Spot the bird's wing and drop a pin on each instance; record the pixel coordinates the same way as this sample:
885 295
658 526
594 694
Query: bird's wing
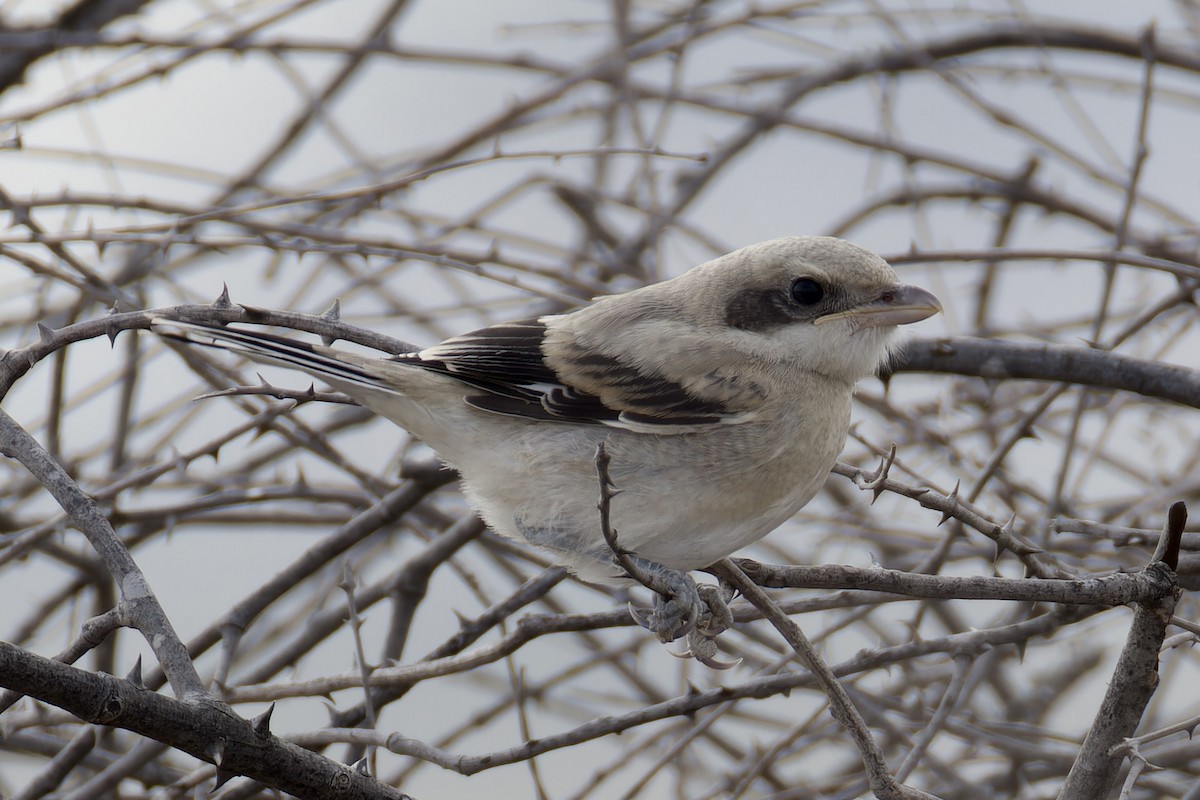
337 367
503 370
506 365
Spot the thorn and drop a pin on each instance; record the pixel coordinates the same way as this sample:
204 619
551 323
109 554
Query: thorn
301 480
168 239
99 243
260 431
1000 548
333 314
347 583
311 392
874 481
363 768
216 752
223 777
178 462
135 674
953 499
331 709
111 331
45 333
20 215
262 723
223 300
1148 40
877 489
1021 645
13 143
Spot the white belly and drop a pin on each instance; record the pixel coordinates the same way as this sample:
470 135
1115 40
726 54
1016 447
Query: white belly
683 502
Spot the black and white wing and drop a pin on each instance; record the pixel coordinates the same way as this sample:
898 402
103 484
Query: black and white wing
503 369
507 366
323 362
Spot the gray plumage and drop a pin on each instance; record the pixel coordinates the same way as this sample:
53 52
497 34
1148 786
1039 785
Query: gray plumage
723 397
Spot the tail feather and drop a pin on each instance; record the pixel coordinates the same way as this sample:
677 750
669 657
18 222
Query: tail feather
271 349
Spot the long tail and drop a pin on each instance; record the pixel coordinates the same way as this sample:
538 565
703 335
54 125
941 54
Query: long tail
322 362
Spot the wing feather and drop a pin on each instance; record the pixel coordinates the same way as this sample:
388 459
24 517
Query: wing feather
503 370
506 364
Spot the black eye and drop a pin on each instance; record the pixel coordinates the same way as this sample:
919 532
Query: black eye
807 292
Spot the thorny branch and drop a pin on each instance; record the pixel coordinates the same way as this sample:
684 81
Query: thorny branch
567 158
1135 678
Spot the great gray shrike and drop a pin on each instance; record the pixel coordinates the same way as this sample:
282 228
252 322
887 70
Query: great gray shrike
722 397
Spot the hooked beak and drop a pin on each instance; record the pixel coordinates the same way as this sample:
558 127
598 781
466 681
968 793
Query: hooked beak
898 305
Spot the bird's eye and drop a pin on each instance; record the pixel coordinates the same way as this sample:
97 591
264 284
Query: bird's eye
807 292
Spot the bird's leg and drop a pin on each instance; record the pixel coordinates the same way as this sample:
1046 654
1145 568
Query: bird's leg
677 603
681 608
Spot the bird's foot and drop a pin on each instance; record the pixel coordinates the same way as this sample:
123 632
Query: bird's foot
712 621
684 608
677 602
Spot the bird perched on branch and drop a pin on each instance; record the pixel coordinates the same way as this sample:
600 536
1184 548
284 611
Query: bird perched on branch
721 398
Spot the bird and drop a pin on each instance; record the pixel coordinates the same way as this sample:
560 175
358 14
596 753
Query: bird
721 399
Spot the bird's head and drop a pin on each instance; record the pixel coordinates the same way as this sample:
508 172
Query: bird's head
817 303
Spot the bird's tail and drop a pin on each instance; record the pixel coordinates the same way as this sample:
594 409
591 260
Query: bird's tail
340 369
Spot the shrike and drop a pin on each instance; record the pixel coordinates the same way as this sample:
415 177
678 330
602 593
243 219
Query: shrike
722 397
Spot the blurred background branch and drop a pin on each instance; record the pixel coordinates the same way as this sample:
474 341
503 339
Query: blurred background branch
436 166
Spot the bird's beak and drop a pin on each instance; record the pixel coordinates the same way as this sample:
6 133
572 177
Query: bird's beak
898 305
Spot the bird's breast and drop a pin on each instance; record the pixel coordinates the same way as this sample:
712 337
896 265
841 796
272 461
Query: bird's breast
684 500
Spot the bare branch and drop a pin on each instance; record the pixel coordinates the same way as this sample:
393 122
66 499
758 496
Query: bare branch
206 730
1134 680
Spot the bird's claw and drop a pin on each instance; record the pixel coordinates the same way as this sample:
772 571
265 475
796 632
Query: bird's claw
671 617
699 612
640 615
704 650
715 617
